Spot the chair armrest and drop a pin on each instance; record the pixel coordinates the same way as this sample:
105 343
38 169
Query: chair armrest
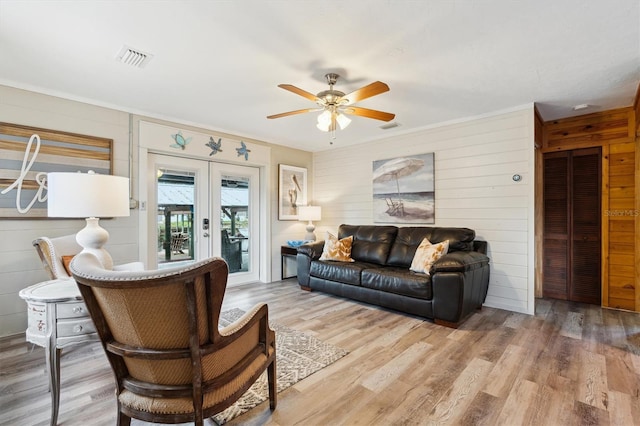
258 317
241 323
131 266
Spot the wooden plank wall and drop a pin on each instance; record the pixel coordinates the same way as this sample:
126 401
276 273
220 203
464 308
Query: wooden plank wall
636 110
615 132
538 188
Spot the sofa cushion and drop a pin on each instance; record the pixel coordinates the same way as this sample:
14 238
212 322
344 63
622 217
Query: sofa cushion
398 281
460 239
427 254
410 237
370 243
338 250
348 273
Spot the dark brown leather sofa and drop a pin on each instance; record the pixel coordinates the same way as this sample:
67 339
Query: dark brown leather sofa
456 286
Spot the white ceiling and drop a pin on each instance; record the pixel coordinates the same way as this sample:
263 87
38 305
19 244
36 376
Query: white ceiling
217 64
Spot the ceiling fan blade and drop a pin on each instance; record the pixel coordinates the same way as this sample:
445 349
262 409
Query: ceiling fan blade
299 91
369 113
365 92
298 111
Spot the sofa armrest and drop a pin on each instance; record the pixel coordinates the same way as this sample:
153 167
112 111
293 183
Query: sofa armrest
307 253
459 261
460 282
480 246
312 250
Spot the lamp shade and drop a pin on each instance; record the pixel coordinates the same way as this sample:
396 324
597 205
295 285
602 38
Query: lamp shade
309 213
343 121
87 195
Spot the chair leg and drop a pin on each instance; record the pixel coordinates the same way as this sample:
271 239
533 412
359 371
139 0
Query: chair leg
273 388
123 419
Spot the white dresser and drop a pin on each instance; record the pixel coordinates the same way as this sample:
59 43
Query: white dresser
57 317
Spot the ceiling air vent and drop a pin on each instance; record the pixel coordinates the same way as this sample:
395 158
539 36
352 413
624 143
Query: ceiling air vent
389 125
133 57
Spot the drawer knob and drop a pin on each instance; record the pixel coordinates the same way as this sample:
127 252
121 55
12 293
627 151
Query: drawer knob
77 309
77 328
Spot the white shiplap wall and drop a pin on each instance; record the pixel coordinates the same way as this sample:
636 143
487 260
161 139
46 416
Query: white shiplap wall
20 266
474 164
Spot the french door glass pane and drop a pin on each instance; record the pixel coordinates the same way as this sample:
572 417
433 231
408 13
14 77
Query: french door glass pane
234 222
175 217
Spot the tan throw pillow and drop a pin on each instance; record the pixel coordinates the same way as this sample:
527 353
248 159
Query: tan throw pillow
66 262
427 254
335 249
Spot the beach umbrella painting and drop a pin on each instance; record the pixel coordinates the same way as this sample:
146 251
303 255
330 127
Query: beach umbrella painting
397 168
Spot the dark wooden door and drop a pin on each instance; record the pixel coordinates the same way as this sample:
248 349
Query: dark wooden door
572 222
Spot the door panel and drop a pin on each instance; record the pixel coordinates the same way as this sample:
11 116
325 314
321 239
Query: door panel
572 225
556 225
178 204
235 195
586 219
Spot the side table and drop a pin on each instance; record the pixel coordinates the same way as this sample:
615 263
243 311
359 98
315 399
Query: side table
57 317
284 252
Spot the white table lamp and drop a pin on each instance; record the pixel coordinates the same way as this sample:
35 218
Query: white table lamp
92 196
310 213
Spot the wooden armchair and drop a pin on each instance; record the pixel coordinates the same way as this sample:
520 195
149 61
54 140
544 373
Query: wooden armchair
55 252
160 332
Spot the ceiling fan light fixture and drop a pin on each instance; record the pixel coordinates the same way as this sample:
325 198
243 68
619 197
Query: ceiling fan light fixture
343 121
324 121
334 103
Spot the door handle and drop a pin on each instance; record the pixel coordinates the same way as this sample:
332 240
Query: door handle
206 235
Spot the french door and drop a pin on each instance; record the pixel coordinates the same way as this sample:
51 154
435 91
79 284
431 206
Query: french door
199 209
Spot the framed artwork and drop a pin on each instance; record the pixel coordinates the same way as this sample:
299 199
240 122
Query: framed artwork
292 191
27 154
403 189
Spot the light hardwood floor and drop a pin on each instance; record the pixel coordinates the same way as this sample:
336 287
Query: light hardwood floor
570 364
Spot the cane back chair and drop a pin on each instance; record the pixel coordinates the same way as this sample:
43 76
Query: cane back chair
160 332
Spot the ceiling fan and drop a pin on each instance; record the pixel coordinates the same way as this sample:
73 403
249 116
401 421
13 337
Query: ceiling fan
334 104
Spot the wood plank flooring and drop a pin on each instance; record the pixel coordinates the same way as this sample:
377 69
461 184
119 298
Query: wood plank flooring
570 364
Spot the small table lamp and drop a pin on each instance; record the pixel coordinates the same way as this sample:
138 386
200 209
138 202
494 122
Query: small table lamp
310 213
89 195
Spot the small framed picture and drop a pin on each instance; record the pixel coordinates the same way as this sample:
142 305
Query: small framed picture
292 191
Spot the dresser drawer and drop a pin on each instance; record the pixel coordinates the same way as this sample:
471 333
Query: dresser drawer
76 327
71 310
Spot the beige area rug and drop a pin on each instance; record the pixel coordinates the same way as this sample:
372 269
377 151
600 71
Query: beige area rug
298 355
